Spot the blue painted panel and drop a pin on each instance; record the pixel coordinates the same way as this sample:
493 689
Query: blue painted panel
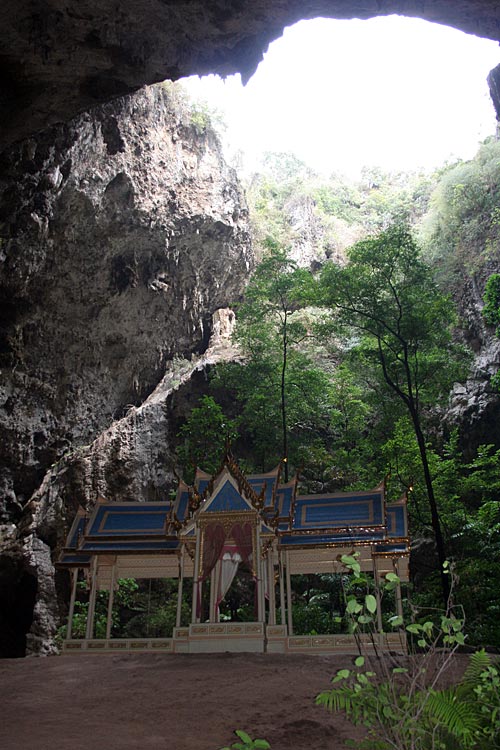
338 511
396 521
74 559
202 485
227 499
95 546
142 518
257 483
183 506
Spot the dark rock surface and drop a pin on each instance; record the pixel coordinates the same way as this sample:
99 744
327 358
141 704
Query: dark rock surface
62 57
475 405
122 233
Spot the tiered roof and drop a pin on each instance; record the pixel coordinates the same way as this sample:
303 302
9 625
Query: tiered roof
298 521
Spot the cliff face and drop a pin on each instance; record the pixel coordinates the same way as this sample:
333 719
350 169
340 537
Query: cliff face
122 232
475 405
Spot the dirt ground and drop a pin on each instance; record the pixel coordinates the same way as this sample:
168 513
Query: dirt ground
182 702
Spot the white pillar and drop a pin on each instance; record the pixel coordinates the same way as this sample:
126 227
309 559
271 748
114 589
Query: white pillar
282 589
74 581
211 612
93 591
399 599
179 589
289 593
271 587
194 617
109 621
376 581
258 571
218 567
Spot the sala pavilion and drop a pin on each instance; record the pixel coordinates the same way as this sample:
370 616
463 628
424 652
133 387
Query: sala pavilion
222 524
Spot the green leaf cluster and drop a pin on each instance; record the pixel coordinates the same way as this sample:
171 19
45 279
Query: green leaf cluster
247 743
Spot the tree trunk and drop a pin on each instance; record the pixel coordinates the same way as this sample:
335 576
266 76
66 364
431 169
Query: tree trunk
435 520
283 403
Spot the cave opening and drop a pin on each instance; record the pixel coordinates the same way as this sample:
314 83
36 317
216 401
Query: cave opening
310 125
394 92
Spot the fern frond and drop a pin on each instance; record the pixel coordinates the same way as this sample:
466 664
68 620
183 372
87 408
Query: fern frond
479 662
337 699
457 717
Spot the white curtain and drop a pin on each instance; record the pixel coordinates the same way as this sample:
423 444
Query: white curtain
228 566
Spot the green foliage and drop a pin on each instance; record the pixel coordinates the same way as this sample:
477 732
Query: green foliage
204 436
387 299
462 228
388 296
319 604
205 118
491 312
401 705
491 309
144 608
282 393
400 713
343 211
247 743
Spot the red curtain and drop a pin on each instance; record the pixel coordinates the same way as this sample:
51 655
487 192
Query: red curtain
243 538
213 544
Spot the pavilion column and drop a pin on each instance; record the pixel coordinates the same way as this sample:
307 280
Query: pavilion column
258 570
376 581
218 573
93 592
399 598
74 581
109 621
289 593
213 597
282 589
271 587
194 616
179 588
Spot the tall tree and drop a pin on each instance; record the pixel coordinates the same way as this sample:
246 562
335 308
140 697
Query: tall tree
386 298
270 330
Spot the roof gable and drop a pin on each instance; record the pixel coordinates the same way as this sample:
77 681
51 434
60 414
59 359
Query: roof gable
226 498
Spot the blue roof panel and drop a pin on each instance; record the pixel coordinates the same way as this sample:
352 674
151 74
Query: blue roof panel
117 519
227 499
396 521
182 505
156 545
339 510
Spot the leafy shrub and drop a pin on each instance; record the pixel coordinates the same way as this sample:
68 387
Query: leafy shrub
247 743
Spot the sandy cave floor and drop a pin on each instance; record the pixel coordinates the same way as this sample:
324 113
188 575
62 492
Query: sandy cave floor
182 702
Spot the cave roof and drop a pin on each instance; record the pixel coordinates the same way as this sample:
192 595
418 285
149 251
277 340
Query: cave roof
59 60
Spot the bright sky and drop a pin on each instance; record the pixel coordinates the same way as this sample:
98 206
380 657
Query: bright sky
393 92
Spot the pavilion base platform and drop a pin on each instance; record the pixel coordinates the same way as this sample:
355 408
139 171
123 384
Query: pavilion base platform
233 637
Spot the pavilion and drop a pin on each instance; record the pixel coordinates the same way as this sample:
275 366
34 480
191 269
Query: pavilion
218 526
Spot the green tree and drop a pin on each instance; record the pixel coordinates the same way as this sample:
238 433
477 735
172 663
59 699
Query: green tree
385 298
271 330
491 309
461 230
204 436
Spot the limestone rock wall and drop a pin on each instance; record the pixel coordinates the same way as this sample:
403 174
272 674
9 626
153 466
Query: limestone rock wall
121 233
475 405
